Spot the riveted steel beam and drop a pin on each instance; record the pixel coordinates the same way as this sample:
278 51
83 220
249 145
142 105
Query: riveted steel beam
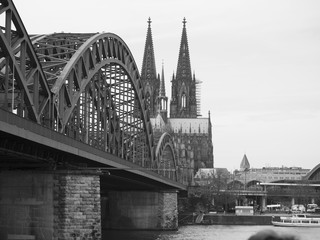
24 89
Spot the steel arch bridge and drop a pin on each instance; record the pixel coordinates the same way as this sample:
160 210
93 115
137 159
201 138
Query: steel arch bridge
85 86
165 150
314 174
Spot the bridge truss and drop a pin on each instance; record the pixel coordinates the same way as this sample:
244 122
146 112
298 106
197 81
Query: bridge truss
85 86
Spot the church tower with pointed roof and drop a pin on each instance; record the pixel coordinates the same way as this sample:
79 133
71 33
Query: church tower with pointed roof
183 100
149 76
244 165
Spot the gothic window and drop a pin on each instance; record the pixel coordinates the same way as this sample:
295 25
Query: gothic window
162 104
183 100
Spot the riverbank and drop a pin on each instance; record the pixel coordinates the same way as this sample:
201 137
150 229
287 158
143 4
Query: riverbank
236 220
224 219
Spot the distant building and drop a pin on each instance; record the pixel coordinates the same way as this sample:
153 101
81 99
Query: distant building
250 176
192 135
259 187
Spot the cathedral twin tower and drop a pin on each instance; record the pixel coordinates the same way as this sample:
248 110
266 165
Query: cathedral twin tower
184 102
192 135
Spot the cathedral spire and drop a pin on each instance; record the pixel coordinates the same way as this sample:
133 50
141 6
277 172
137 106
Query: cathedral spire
184 66
162 90
148 65
163 100
183 101
149 74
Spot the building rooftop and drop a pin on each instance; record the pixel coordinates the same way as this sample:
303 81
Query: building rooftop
190 125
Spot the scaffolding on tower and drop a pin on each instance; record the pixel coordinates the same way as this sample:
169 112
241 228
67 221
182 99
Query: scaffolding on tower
198 97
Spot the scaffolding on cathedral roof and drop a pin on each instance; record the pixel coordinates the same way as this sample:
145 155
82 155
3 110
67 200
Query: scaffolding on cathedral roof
198 96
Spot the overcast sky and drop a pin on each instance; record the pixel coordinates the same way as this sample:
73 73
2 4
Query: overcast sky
259 63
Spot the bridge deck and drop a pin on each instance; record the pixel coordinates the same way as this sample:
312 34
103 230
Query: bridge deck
121 173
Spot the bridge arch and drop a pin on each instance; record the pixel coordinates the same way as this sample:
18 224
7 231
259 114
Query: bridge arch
86 86
314 174
97 93
166 158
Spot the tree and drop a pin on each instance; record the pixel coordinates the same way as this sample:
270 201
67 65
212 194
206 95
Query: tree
214 193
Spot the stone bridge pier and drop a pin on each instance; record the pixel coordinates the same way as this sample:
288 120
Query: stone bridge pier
58 205
143 210
77 205
67 205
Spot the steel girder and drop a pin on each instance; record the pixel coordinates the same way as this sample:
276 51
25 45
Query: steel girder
97 93
23 87
166 158
86 86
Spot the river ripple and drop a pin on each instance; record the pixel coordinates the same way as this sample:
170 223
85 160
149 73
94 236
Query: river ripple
211 232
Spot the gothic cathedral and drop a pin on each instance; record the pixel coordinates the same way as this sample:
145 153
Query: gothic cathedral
191 133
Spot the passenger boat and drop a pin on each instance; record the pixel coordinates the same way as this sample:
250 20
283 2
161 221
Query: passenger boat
296 220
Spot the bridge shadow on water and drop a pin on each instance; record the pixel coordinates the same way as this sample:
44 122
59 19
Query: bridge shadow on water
136 235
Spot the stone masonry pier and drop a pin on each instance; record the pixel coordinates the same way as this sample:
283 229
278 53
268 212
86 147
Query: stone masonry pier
67 205
143 210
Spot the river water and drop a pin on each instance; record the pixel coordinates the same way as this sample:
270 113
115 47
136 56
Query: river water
212 232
